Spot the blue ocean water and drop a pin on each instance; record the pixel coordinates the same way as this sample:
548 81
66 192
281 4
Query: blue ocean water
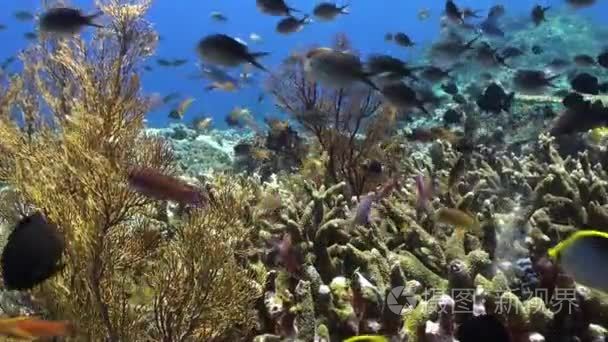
183 23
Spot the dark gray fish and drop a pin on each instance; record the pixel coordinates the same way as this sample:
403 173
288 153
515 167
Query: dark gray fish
223 50
580 3
403 39
559 64
511 52
460 99
402 96
24 16
31 36
434 74
275 7
335 68
2 27
585 83
291 25
32 253
537 50
327 11
495 99
602 59
533 81
469 13
538 14
218 16
490 27
488 57
170 97
179 62
580 116
496 12
452 117
584 61
451 48
163 62
453 13
389 67
450 88
65 20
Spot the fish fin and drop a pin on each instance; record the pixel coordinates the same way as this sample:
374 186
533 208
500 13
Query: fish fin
251 58
291 9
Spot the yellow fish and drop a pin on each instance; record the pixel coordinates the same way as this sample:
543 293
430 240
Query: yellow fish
31 328
367 338
459 218
581 254
598 134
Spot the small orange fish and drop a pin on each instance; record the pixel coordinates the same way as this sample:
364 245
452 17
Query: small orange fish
154 184
31 328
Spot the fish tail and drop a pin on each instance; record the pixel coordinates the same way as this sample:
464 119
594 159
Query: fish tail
93 16
421 107
366 80
291 9
344 9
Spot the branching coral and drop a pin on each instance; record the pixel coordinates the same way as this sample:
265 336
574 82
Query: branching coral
73 164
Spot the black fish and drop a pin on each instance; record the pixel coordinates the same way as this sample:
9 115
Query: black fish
483 328
538 14
511 52
402 96
559 64
452 117
603 59
403 39
494 99
584 61
450 88
434 74
66 20
389 67
490 27
537 50
580 116
32 253
585 83
533 81
453 12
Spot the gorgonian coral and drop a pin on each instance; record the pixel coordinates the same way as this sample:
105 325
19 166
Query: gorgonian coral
69 151
348 124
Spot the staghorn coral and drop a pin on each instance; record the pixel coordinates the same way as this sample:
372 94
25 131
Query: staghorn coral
72 161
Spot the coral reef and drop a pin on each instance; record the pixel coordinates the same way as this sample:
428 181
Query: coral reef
280 253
